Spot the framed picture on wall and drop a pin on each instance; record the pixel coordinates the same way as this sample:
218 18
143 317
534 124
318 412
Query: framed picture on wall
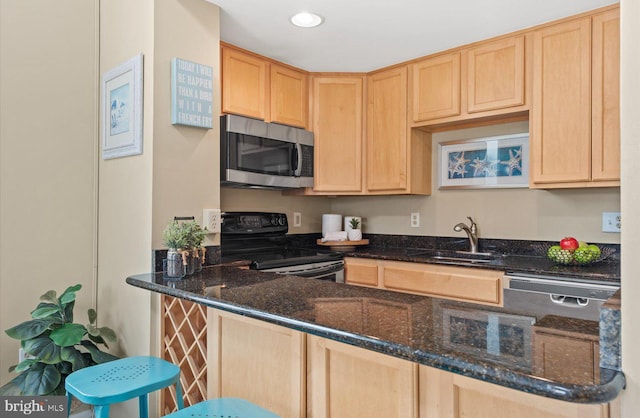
499 161
122 110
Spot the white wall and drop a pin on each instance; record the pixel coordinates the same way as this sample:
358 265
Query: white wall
630 133
48 142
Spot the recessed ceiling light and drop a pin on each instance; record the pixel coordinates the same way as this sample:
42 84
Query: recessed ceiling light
306 20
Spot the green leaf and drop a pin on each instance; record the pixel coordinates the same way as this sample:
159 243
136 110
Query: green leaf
25 364
68 334
50 296
93 316
44 310
40 379
97 355
69 295
73 356
68 312
108 334
30 329
43 348
98 340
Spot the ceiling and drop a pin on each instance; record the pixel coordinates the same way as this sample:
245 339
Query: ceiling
364 35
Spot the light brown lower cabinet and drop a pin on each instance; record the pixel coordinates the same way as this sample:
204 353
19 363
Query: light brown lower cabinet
257 361
349 382
448 395
450 282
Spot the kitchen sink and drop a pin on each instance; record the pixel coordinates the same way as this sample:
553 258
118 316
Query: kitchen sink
455 257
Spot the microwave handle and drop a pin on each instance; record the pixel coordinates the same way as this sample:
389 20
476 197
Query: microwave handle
296 164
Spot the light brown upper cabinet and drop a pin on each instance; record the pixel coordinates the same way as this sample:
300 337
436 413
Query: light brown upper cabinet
387 130
436 87
259 88
495 75
485 80
574 126
398 159
337 122
289 96
244 83
605 96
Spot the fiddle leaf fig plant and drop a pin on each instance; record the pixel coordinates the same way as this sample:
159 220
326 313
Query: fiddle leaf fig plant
55 346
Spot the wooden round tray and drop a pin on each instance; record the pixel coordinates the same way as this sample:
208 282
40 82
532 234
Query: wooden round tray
342 245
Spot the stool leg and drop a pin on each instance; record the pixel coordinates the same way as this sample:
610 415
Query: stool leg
144 406
68 404
179 399
101 411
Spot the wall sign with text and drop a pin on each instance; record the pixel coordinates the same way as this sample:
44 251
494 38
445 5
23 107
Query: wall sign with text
191 94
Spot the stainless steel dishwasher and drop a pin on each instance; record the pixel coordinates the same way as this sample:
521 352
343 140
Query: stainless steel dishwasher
540 295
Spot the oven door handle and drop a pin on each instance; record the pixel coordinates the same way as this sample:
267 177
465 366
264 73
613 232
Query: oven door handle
308 272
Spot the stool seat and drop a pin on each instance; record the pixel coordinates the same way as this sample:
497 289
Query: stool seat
121 380
223 407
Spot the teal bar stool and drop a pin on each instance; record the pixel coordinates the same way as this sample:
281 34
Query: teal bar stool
223 407
120 380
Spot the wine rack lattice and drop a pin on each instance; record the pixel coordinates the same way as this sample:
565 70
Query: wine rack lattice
185 344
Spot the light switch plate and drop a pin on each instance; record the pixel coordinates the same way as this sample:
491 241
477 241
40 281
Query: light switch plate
611 222
212 220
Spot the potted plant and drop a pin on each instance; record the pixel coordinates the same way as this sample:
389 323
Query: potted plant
175 239
355 233
195 237
55 346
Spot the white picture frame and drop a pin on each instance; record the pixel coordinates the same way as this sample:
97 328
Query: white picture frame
491 162
122 109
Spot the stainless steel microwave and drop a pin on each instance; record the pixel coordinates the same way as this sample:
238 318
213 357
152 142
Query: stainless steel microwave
257 154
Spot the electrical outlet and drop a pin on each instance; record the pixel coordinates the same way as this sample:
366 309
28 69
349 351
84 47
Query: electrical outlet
297 219
611 222
212 220
415 219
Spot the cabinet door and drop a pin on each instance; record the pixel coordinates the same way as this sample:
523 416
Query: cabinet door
362 272
347 382
495 75
289 96
387 133
605 137
561 113
448 395
337 127
435 87
480 286
244 78
245 352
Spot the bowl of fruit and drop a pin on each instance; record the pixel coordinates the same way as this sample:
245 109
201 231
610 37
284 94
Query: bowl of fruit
570 251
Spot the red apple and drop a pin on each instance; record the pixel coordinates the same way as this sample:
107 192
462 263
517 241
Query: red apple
569 243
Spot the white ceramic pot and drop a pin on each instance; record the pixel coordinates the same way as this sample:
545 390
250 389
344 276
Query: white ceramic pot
355 234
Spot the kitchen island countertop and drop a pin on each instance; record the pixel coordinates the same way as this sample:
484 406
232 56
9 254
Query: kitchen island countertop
420 337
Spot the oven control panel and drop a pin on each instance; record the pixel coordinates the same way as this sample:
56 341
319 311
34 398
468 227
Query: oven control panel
254 222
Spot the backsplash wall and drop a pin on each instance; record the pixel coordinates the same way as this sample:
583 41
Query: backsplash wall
528 214
500 213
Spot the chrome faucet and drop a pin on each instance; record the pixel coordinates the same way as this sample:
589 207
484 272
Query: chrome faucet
472 233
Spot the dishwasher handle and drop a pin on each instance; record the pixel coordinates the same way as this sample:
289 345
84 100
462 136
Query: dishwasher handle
569 300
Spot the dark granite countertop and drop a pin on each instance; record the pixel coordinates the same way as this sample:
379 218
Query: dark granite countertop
434 332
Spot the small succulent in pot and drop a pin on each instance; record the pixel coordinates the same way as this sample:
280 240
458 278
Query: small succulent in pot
355 233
